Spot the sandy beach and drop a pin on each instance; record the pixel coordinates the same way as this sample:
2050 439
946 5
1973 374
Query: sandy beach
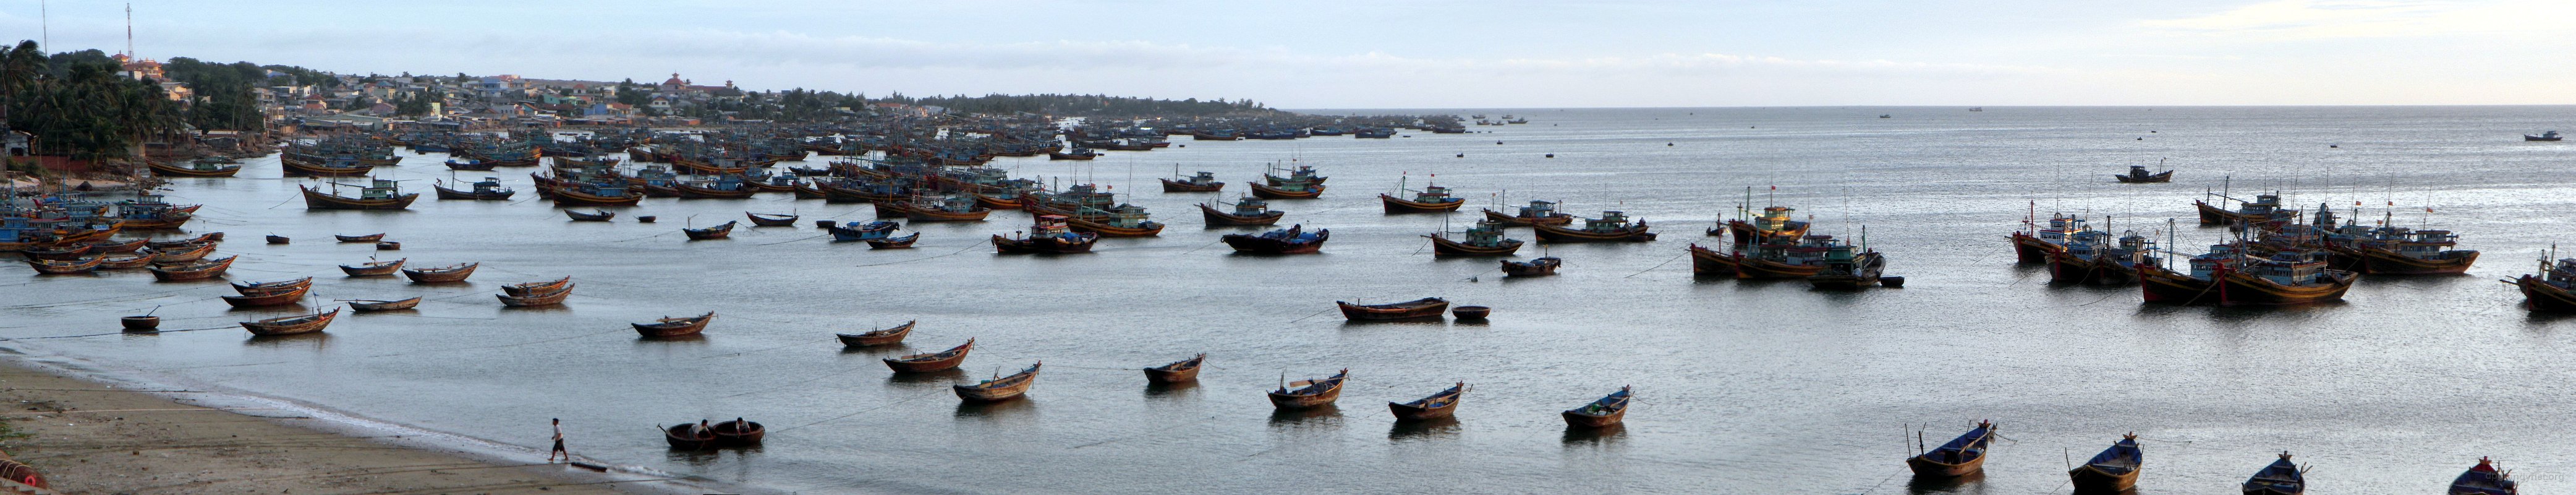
94 438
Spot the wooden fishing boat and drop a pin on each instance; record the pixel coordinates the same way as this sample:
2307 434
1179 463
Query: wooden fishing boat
1537 213
359 238
592 216
1178 371
810 191
200 270
258 288
1712 263
1203 182
1613 226
929 362
373 268
533 288
770 219
1484 239
960 208
1000 388
595 195
2483 479
1606 411
1076 154
1785 258
277 239
1470 313
451 273
1291 240
1537 267
1293 190
1431 199
269 298
2286 277
290 325
194 169
687 436
1436 406
675 327
899 242
856 231
124 263
534 299
1960 457
1775 221
2545 136
1309 394
116 247
191 243
59 267
1049 235
716 232
2552 290
738 433
890 336
1247 211
471 164
1848 267
373 305
381 196
999 202
2282 477
2264 211
58 253
2138 175
727 189
2414 252
1428 307
489 189
2113 470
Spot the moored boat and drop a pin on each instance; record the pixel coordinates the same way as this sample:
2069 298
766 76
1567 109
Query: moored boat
933 361
59 267
380 195
716 232
2263 212
675 326
195 168
770 219
1203 182
2484 479
738 433
1291 240
1484 239
451 273
1000 388
1438 405
1536 213
547 297
1613 226
360 238
2544 136
2113 470
862 231
1959 457
1247 211
889 336
1848 267
373 268
1178 371
373 305
1428 307
592 216
1049 235
2280 478
1309 394
290 325
686 436
894 242
1535 267
2138 175
2033 243
203 269
1431 199
1604 412
488 189
264 298
2552 290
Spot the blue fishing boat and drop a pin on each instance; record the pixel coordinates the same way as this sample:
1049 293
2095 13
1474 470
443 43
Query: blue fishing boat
2113 470
1292 240
858 231
1962 456
2280 478
2483 479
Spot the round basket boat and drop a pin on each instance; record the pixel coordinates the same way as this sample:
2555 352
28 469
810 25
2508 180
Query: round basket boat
1471 312
644 219
141 323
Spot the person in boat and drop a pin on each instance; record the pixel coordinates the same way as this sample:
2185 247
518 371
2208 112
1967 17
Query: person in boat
559 447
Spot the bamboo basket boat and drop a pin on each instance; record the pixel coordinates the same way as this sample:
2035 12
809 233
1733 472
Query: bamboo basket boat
738 433
686 436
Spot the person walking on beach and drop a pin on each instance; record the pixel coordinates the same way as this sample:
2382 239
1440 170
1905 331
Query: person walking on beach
559 448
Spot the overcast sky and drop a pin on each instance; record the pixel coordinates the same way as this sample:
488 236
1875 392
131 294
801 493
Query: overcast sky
1400 54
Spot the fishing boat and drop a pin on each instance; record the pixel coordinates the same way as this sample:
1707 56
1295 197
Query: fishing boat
2285 277
59 267
1484 239
2280 478
114 247
738 433
2544 136
2091 256
895 242
488 189
1077 154
1247 211
953 208
257 288
124 263
1607 411
1049 235
2198 283
1775 221
266 298
1431 199
290 325
373 268
57 253
374 305
1613 226
1787 258
451 273
1713 263
675 327
1309 394
724 187
359 238
593 194
546 297
2033 243
1428 307
890 336
592 216
1291 240
381 195
1536 213
1960 457
533 288
1275 187
2483 479
2552 290
2113 470
929 362
181 254
1000 388
206 239
278 239
470 164
770 219
1178 371
2138 175
2264 211
199 270
858 231
690 436
2403 251
1203 182
1536 267
716 232
1848 267
194 168
1436 406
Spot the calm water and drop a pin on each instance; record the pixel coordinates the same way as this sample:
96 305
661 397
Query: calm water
1742 386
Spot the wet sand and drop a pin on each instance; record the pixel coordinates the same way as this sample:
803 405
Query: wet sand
95 438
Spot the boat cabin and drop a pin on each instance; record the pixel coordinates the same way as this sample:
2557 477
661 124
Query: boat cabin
380 189
1539 209
1610 221
1250 206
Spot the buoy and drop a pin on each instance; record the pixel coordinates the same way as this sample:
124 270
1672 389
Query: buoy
1181 146
1668 144
1551 155
1498 142
2334 146
2142 139
644 219
2151 132
1462 155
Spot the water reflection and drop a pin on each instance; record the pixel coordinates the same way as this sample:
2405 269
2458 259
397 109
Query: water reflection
1970 483
1009 410
1602 436
919 381
880 350
1171 390
1283 420
1424 430
312 341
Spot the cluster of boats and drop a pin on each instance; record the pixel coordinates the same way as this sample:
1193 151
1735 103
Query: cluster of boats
1773 245
2117 468
2277 256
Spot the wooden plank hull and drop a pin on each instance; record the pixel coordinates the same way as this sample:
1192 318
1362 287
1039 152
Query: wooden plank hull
2247 289
1182 371
318 200
441 275
1000 389
1576 419
925 363
890 336
168 170
1219 218
2538 295
1429 307
1936 469
290 325
1267 192
445 193
534 300
1711 263
58 267
2089 479
1520 221
369 305
565 196
1442 246
2385 262
2030 250
377 269
674 327
2158 285
1173 186
1757 268
1306 401
1553 233
1396 205
1044 245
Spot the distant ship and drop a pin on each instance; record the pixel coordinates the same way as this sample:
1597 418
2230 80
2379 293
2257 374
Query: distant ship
2545 136
1976 109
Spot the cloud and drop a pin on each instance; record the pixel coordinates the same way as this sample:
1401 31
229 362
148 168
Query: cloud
2332 19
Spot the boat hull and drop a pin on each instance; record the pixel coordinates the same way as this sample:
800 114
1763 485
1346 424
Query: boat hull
1521 221
1425 308
1928 468
1267 192
1219 218
2385 262
1173 186
1442 246
2538 295
1710 263
1580 420
1396 205
2088 479
317 200
1552 233
2031 250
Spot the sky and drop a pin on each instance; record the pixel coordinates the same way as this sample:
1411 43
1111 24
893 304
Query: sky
1418 54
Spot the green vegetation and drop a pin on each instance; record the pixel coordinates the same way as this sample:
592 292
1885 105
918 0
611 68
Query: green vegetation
75 103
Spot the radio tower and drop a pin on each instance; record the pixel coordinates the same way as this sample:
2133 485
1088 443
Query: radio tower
129 30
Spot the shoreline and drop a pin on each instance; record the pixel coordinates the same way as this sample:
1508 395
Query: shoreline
90 431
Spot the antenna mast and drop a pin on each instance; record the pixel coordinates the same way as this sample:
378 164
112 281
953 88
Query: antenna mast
129 31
